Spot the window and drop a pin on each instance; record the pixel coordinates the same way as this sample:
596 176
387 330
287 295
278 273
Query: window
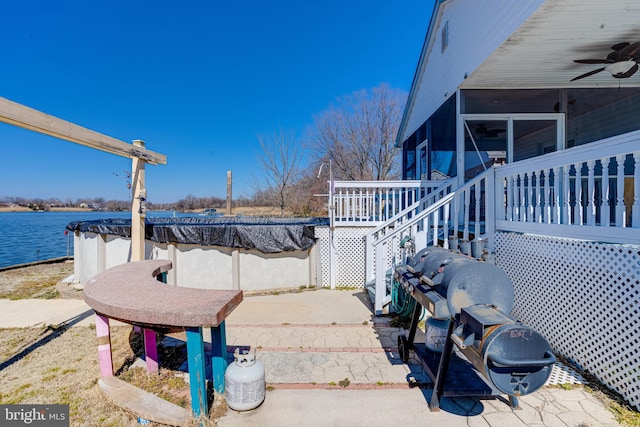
442 141
409 158
421 155
445 36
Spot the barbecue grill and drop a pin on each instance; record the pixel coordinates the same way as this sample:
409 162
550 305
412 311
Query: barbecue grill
486 351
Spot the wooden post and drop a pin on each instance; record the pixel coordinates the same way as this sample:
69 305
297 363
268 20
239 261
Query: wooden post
104 346
138 205
219 356
235 269
381 277
197 378
229 197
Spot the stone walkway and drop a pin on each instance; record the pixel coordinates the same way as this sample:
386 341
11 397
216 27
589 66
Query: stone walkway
348 373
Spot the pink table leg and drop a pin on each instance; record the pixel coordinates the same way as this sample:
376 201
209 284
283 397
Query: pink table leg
104 346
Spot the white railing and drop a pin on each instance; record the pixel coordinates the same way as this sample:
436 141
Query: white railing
371 202
426 219
590 191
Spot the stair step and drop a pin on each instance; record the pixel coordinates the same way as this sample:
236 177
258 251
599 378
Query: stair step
370 286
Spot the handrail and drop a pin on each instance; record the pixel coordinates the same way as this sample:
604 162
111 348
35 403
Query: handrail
375 203
431 208
424 213
377 240
370 202
625 143
412 208
376 184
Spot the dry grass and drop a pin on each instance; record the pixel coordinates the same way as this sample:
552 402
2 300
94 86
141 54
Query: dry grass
60 366
37 281
44 366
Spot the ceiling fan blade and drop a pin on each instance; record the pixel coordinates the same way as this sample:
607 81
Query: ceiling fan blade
593 61
494 133
629 73
619 46
590 73
631 51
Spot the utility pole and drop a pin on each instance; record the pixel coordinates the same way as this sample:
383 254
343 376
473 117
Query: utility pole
229 198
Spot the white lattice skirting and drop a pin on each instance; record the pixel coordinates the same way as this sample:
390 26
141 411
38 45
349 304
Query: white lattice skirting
349 243
584 297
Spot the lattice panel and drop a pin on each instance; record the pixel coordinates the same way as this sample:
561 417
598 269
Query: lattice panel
350 246
322 250
584 297
350 263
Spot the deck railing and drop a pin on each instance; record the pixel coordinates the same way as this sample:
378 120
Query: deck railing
592 191
372 202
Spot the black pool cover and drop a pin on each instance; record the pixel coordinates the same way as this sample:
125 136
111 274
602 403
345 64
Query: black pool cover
267 235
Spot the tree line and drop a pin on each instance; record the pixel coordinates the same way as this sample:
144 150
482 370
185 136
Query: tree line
352 140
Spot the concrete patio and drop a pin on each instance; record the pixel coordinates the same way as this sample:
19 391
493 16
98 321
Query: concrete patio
330 362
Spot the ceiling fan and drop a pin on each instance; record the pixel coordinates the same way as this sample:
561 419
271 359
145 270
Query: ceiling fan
622 62
482 130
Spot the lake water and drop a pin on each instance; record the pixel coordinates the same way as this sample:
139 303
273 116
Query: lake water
34 236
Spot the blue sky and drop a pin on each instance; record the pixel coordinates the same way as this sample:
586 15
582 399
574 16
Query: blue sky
198 81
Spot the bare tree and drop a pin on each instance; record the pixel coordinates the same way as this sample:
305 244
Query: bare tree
281 158
359 132
309 194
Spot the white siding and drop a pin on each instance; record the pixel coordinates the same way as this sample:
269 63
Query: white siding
476 29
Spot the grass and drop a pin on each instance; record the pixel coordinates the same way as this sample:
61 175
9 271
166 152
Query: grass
624 413
37 281
60 367
41 366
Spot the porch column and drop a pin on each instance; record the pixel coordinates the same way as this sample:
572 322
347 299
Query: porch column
460 134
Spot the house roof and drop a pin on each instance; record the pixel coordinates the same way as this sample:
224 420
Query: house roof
540 53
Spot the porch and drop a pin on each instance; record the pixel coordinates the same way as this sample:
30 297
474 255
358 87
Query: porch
565 226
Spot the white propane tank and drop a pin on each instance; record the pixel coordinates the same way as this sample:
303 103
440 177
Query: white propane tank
244 382
435 334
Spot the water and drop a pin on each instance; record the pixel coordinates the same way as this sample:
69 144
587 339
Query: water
34 236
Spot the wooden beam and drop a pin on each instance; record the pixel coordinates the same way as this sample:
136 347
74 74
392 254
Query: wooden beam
28 118
144 404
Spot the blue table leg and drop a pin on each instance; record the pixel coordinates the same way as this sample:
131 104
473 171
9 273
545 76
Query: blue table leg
218 356
197 377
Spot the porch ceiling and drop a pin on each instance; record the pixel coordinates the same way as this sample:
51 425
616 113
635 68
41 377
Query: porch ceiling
540 53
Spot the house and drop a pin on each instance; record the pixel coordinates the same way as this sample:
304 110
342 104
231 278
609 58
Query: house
523 126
